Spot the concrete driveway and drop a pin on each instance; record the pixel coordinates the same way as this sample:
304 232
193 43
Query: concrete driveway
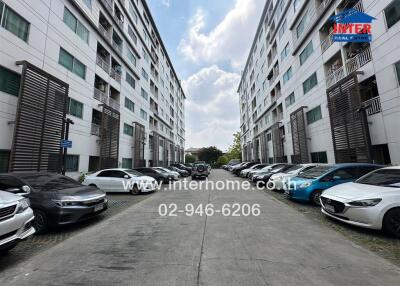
139 247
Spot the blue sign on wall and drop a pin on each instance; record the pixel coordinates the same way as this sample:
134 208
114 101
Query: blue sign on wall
66 144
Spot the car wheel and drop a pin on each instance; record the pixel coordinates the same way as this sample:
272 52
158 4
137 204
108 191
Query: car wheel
135 190
315 197
40 222
391 222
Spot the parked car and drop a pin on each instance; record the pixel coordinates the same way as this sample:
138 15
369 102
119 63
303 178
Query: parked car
244 172
278 180
55 199
237 171
159 176
200 170
309 185
16 219
230 168
182 173
182 167
263 171
121 180
373 201
265 176
174 174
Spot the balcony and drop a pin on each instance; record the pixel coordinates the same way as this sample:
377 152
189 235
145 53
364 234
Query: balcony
335 77
95 129
115 74
359 60
100 96
373 106
101 62
113 103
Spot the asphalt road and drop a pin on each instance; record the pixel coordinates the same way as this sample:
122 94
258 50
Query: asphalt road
281 246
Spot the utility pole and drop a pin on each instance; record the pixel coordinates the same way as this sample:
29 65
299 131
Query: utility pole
67 122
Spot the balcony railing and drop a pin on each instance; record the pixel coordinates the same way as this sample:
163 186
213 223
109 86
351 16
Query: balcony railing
104 32
325 44
95 129
109 4
119 21
103 63
100 96
359 60
115 74
116 46
113 103
335 77
373 106
359 6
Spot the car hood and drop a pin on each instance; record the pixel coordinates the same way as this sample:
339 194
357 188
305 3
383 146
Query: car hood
81 192
353 191
6 198
144 179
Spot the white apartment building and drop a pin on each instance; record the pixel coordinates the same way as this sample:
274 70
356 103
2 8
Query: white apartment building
106 61
306 98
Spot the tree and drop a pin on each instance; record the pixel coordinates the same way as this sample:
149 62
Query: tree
222 160
190 158
235 150
209 154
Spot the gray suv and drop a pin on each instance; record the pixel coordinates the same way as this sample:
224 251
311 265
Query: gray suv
200 170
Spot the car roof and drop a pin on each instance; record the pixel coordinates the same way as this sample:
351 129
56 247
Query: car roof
343 165
23 174
392 168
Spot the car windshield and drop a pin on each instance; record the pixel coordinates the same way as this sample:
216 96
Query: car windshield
315 172
383 178
134 173
50 182
293 169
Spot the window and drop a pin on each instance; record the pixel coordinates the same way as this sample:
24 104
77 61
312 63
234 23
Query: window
129 104
132 12
70 63
146 56
282 29
130 80
144 94
143 114
269 137
302 24
76 26
296 4
75 108
310 83
127 163
290 100
285 52
128 129
145 75
397 66
132 34
4 160
9 81
131 58
319 157
13 22
72 163
287 75
306 53
392 13
88 3
314 115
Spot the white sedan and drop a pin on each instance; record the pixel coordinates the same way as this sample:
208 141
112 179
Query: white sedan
16 219
373 201
277 181
121 180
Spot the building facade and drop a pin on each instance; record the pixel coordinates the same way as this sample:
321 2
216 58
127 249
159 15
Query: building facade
122 92
306 98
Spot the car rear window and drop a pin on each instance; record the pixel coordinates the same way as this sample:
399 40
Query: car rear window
382 178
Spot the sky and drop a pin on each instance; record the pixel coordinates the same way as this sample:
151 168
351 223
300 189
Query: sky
208 42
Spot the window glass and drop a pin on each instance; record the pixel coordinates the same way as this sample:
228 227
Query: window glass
82 32
15 24
9 81
132 58
302 24
314 115
126 163
79 69
129 104
66 60
88 3
345 174
306 53
130 80
392 13
310 83
397 66
72 163
319 157
4 160
144 94
70 20
383 178
75 108
290 100
128 129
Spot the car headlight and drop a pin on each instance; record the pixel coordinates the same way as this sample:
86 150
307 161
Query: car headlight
305 185
23 204
365 203
66 202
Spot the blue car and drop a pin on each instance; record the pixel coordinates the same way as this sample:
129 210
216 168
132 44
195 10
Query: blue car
309 185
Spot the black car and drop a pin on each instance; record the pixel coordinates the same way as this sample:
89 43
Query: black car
182 173
274 170
55 199
237 171
156 174
182 167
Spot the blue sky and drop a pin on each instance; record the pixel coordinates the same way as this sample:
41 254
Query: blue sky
208 42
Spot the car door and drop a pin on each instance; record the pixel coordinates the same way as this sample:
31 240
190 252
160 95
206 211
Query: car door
102 180
117 181
337 177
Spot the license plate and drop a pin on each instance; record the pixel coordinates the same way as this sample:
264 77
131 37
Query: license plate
330 208
98 208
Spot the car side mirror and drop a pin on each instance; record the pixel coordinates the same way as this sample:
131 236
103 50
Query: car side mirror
26 189
126 177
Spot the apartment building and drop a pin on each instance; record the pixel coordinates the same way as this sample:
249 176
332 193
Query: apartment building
306 98
98 63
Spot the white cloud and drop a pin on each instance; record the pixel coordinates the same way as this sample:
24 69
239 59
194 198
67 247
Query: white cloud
229 40
212 107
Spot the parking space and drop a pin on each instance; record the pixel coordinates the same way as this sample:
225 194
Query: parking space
36 244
